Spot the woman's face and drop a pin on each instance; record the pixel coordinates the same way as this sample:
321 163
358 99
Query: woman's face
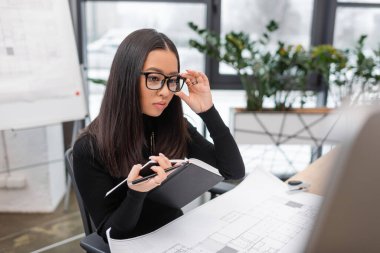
154 102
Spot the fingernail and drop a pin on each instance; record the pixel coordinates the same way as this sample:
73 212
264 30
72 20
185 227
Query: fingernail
160 154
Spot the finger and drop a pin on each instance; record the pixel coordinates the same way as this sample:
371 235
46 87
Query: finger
154 182
192 72
190 81
162 160
183 96
161 175
203 77
134 173
165 160
196 74
190 76
197 77
161 155
160 171
176 165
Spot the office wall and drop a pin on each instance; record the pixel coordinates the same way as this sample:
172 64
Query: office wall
32 172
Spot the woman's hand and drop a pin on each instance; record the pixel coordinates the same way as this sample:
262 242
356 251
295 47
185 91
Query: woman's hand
199 98
152 183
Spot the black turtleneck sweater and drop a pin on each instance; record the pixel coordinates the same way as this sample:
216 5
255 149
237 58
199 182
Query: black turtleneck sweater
128 212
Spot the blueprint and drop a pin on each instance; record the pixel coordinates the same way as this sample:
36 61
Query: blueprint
38 54
259 215
41 82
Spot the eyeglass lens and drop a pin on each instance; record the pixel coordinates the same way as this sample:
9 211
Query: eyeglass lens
156 81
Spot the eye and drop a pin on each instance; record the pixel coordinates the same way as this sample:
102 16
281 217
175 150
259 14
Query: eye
173 80
153 78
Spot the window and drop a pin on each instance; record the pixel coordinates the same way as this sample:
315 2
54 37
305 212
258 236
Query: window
351 23
293 16
355 18
109 22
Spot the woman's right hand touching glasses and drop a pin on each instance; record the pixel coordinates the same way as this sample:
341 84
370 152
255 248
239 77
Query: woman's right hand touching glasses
199 98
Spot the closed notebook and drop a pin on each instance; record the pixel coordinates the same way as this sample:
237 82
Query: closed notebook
185 184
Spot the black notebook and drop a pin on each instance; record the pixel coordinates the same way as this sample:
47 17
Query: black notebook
185 184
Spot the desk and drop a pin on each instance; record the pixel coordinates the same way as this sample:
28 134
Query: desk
317 173
258 215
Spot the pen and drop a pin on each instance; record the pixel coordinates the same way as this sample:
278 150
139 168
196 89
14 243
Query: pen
143 179
140 179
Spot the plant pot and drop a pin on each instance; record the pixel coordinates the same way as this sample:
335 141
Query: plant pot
309 126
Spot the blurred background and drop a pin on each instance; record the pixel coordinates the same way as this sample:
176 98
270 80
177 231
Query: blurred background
332 46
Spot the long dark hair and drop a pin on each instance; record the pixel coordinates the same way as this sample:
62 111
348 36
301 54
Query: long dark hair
119 129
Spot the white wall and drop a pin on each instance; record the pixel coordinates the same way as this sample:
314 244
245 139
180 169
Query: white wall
34 175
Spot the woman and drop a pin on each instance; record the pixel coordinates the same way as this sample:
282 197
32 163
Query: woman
141 119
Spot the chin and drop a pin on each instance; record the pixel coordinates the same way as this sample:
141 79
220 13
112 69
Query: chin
154 113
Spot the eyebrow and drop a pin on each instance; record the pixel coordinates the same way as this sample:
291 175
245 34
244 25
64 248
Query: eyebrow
160 71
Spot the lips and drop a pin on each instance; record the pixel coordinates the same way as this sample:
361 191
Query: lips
160 105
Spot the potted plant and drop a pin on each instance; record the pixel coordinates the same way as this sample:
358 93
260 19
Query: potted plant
263 73
359 79
273 74
266 73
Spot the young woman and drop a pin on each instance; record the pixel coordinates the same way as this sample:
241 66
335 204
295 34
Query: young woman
141 119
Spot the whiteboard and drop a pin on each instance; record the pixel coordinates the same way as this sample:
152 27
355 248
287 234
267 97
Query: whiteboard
40 77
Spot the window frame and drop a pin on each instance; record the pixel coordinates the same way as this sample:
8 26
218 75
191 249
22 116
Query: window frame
318 25
322 32
78 11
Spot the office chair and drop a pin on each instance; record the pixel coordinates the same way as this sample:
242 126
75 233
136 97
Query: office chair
92 242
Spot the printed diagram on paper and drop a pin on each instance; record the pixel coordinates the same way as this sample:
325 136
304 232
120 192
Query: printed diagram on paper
267 227
38 55
256 216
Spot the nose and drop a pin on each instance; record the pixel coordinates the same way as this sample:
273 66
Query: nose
164 91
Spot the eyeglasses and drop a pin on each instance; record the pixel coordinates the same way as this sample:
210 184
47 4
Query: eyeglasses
155 81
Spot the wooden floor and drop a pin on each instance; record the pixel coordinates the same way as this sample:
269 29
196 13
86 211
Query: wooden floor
34 232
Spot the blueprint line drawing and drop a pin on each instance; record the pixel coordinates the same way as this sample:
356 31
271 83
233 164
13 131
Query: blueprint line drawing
266 227
259 215
41 79
38 54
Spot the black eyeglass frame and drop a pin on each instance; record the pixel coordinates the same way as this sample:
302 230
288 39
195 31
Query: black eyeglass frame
165 80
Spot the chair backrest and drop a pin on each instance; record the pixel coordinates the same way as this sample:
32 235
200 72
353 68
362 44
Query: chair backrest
92 243
88 225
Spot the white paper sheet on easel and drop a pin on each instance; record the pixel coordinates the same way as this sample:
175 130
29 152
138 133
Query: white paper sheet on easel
259 214
40 75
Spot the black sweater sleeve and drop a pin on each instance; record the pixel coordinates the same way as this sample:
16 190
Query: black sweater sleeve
121 209
224 153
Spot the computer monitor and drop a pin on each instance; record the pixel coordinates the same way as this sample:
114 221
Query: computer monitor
349 218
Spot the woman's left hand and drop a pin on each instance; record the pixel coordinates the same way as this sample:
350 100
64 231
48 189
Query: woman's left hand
199 98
